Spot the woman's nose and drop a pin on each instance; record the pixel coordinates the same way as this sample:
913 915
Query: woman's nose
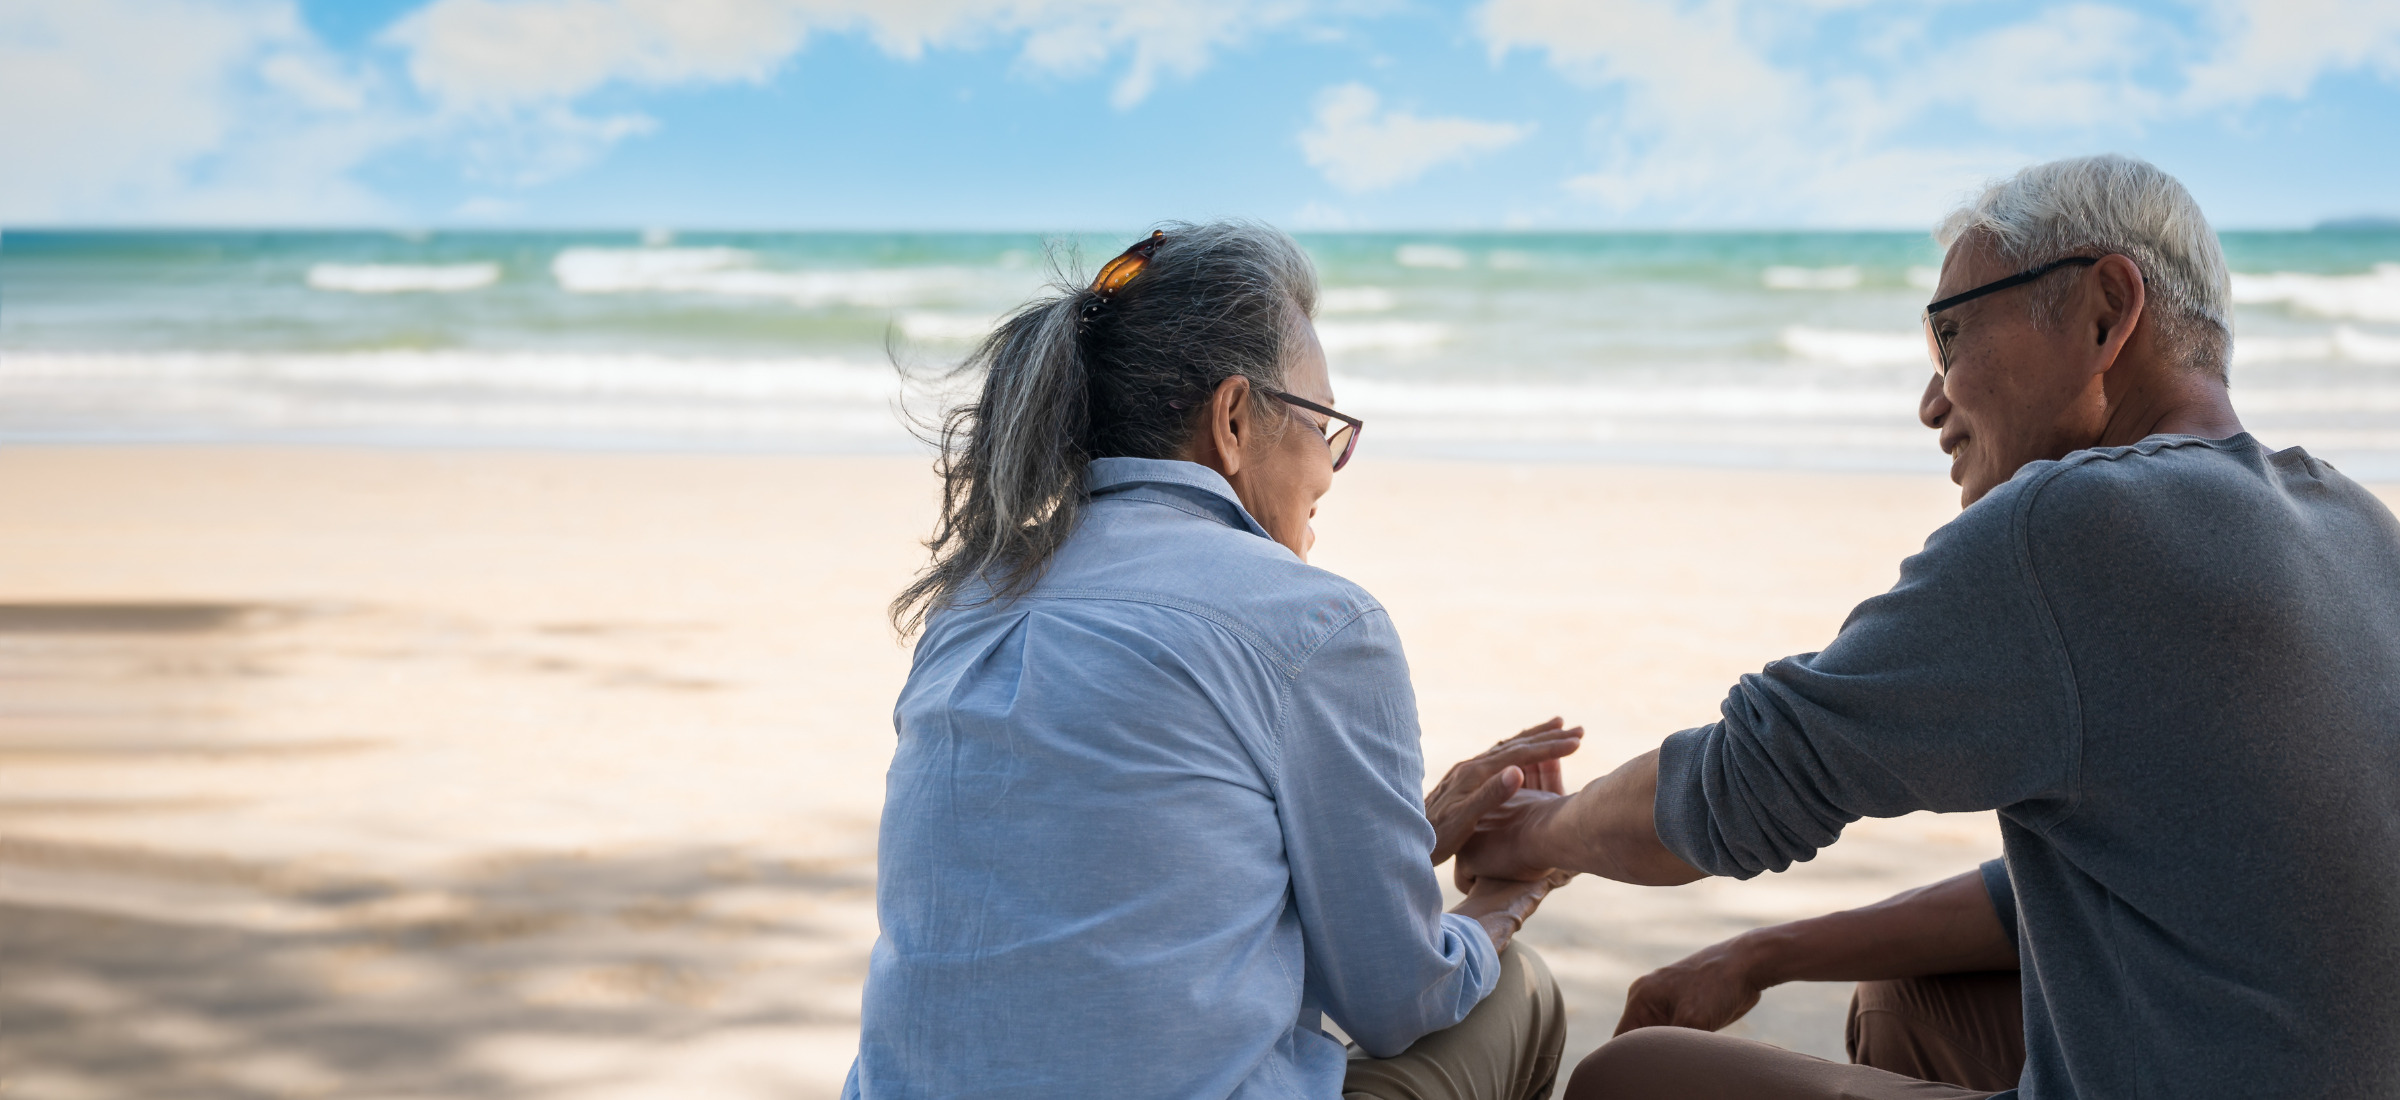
1935 406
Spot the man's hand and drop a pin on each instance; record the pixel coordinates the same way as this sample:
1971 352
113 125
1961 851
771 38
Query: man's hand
1604 829
1500 847
1501 905
1949 927
1714 987
1482 783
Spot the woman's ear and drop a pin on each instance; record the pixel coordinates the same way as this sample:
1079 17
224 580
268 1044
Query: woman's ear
1228 425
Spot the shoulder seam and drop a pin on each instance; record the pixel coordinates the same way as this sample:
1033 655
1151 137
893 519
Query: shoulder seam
2021 524
1291 679
1288 666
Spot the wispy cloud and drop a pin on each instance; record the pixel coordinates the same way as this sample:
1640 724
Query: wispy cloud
2282 47
1698 102
1359 146
181 110
508 75
502 54
1687 111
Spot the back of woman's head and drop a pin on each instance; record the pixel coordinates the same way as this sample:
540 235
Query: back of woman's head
1077 375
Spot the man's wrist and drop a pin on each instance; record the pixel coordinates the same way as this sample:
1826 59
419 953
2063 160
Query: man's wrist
1766 957
1550 837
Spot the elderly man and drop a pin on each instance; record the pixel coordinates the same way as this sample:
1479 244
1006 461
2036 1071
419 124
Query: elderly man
2166 654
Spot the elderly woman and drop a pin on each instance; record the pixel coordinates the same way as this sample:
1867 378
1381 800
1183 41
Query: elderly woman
1155 816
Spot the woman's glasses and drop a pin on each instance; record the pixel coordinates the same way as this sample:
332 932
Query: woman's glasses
1340 441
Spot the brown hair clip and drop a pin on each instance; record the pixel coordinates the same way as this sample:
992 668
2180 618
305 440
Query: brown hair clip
1117 272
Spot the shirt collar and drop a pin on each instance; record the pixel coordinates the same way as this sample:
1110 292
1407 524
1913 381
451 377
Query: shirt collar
1187 480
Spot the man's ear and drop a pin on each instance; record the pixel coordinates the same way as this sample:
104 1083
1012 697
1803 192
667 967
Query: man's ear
2118 298
1228 425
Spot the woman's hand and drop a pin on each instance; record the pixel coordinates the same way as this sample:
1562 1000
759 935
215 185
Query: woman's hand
1501 906
1712 988
1483 783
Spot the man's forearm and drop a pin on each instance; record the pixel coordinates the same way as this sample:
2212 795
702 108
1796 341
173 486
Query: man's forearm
1609 829
1948 927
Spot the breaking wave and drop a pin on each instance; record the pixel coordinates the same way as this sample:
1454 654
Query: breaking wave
1844 277
402 278
2374 296
733 272
1855 349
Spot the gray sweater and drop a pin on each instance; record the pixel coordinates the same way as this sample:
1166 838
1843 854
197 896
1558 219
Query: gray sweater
2174 669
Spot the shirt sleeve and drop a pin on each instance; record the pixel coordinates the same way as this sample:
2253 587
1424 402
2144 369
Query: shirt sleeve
2003 894
1383 959
1950 692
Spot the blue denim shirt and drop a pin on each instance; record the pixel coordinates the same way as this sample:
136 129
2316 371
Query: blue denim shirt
1151 822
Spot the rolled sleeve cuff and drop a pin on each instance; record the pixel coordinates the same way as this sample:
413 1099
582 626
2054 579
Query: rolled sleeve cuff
1482 961
1680 809
2004 897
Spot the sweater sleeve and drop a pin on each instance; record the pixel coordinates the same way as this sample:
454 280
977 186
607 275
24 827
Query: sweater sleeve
1950 692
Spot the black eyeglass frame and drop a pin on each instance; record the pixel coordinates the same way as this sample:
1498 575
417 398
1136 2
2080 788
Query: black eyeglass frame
1940 345
1351 424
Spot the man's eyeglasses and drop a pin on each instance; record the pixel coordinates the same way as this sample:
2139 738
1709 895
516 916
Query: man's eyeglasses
1937 345
1340 441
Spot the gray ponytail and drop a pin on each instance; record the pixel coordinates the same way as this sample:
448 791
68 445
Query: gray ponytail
1067 379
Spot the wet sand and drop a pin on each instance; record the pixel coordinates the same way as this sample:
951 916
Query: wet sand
388 774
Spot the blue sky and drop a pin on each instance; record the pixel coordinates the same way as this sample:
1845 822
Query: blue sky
1065 114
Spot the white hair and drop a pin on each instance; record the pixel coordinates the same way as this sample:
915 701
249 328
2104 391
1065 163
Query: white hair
2086 206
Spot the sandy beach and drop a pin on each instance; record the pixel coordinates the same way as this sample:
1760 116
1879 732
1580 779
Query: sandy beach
443 774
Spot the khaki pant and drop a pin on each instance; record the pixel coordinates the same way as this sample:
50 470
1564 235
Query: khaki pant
1952 1037
1506 1049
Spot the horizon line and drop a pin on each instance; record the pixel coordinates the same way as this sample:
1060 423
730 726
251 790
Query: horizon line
2370 224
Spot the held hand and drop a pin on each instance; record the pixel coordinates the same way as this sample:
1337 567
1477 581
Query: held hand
1502 906
1483 783
1500 849
1712 988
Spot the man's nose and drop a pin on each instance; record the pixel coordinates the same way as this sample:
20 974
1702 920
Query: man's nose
1935 406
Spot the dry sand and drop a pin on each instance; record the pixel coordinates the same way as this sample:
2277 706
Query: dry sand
382 774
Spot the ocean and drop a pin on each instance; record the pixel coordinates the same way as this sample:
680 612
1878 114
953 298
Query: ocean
1746 349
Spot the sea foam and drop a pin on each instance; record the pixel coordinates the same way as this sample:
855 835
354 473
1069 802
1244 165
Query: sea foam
1855 349
402 278
2374 296
1437 256
1811 278
458 397
1356 299
733 272
951 328
1400 336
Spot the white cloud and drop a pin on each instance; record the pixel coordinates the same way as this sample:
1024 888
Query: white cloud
1703 126
503 54
1361 147
506 76
2079 65
1737 110
490 54
117 110
2281 47
230 110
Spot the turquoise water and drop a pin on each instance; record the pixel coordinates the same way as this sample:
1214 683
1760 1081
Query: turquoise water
1751 348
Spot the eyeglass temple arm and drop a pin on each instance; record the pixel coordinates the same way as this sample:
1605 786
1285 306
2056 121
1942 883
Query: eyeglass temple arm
2018 279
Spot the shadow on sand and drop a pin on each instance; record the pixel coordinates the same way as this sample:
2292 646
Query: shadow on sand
134 973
